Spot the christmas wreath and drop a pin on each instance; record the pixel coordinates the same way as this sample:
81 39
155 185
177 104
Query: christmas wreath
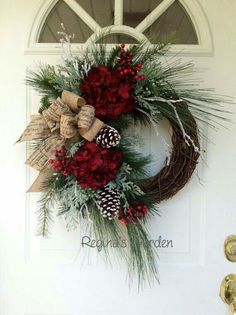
86 157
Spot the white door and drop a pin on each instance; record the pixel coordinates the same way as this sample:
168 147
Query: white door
52 276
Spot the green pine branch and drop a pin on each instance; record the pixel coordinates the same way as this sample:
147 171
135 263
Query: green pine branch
134 247
45 213
142 256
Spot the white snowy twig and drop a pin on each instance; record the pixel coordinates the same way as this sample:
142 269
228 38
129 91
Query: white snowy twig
188 140
65 41
151 120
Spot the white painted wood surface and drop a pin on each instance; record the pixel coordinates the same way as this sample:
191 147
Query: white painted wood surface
52 277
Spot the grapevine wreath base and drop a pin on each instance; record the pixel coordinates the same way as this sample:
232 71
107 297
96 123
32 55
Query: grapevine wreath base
182 163
87 162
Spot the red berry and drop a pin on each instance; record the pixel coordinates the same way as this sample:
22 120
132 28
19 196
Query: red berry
142 77
51 161
136 77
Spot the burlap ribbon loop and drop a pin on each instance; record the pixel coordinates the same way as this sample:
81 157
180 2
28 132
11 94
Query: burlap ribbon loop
39 158
86 117
65 118
53 114
75 102
68 126
68 115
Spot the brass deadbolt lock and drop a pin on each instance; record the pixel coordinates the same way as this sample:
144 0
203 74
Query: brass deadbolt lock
230 248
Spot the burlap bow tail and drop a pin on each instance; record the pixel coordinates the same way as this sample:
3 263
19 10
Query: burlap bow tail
66 118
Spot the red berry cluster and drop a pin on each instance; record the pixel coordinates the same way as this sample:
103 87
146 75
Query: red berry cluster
126 68
133 214
60 161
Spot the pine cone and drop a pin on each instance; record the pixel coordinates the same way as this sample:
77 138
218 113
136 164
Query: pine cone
108 203
108 137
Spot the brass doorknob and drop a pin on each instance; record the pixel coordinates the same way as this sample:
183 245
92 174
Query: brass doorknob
228 291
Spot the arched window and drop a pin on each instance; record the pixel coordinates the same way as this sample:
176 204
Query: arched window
180 22
158 20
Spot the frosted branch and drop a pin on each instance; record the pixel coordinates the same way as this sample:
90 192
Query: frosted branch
65 41
188 140
151 120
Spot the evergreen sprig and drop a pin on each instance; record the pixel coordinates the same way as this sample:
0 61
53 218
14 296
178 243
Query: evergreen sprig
143 258
136 160
45 212
45 81
134 246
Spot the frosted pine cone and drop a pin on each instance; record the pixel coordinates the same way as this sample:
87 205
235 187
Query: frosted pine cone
108 137
108 203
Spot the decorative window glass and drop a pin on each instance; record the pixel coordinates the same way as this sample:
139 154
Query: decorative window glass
133 20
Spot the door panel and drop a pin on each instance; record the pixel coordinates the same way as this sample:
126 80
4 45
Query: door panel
57 277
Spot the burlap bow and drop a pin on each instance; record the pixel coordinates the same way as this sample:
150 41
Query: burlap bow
66 118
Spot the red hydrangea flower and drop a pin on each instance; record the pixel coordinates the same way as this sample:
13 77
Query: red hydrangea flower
109 93
94 166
